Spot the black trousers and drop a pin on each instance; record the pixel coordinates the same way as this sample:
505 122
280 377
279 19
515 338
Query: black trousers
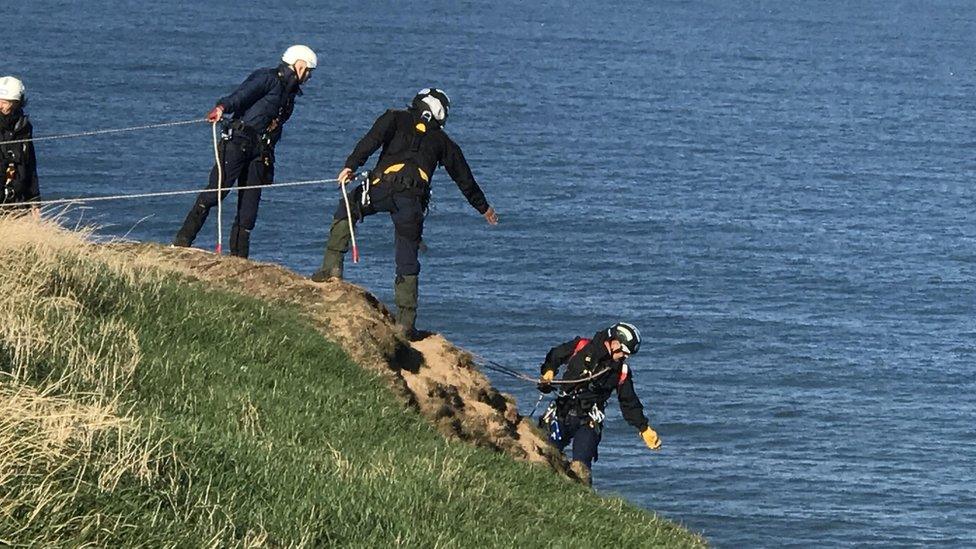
406 208
245 166
584 436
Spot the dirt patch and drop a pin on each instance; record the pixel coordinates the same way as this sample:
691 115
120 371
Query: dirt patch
432 376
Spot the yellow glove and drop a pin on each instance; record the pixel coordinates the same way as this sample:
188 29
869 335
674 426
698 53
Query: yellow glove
650 438
544 385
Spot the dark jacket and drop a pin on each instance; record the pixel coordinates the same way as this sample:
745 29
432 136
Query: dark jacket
591 359
18 159
265 96
396 132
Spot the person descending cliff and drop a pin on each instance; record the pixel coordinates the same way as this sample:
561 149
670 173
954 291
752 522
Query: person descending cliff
577 413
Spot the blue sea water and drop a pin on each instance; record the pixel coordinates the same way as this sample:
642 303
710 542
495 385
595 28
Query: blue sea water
778 193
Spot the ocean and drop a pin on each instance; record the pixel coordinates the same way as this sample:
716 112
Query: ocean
779 194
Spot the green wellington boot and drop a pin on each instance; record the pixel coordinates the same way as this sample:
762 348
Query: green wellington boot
405 290
335 251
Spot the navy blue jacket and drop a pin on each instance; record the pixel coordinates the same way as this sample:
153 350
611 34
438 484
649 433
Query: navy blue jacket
265 96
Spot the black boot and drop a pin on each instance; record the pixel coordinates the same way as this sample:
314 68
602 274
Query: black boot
240 241
405 295
335 251
191 226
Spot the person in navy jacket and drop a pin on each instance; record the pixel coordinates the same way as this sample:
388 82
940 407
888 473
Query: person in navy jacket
259 108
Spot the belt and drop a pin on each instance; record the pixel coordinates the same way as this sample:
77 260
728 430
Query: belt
247 131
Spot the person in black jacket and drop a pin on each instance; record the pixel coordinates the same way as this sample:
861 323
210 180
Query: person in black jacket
260 106
414 143
18 164
600 365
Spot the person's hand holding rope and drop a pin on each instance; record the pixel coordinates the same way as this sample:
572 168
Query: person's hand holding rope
545 382
215 114
345 175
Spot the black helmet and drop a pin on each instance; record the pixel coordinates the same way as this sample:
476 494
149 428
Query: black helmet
434 101
627 335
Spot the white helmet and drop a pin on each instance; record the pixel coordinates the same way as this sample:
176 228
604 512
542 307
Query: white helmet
299 52
11 89
434 100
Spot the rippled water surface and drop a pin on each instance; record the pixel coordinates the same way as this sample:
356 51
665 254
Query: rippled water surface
779 194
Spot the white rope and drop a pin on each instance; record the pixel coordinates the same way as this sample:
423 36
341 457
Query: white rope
220 198
103 132
85 200
352 229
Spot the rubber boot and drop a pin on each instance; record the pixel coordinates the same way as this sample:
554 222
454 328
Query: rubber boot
240 241
405 290
191 226
233 239
335 251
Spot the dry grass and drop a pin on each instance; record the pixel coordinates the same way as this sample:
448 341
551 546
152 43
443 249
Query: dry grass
52 447
47 278
62 369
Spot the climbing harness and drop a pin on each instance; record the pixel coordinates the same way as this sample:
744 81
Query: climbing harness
9 174
550 422
549 419
596 415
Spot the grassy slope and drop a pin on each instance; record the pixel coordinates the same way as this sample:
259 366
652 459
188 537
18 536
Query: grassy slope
269 435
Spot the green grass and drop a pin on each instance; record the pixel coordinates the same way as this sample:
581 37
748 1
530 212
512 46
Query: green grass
266 434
